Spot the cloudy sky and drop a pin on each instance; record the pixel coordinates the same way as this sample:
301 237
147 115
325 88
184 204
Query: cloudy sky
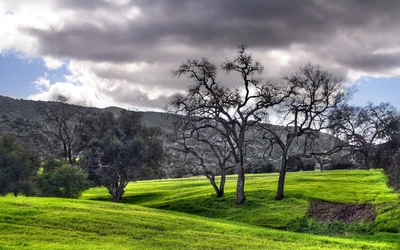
120 52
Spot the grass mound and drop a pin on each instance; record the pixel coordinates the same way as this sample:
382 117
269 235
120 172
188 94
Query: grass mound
195 196
44 223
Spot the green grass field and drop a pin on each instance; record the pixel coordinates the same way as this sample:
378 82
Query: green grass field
183 214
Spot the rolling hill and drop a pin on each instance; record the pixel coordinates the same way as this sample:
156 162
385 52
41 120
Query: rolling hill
182 214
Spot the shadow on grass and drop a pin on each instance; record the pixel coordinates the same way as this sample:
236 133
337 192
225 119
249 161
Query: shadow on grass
133 199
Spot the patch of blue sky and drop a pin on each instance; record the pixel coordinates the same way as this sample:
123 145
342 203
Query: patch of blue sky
18 73
377 90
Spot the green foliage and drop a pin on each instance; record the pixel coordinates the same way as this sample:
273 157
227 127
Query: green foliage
392 168
119 151
59 179
18 167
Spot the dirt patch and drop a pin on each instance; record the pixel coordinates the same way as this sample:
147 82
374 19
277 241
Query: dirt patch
326 211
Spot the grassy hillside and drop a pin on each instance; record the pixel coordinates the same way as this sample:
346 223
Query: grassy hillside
41 223
195 196
95 223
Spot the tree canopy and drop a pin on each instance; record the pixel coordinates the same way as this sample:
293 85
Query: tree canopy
120 150
18 165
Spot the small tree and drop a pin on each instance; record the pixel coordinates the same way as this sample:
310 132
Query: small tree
60 179
204 152
119 151
18 165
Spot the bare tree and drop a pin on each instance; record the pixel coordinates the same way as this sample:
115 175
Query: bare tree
64 121
202 151
232 111
315 94
364 127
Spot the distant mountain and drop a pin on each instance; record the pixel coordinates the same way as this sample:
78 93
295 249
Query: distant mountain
22 119
14 109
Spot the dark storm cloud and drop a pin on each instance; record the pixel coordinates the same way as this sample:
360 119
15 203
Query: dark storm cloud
219 24
373 62
82 4
341 36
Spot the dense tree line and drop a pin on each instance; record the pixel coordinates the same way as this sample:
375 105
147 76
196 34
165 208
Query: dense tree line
98 149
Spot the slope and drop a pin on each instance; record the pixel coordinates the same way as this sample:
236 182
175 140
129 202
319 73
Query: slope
44 223
195 196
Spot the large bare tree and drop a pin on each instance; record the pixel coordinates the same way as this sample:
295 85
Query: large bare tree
64 121
315 94
230 112
364 127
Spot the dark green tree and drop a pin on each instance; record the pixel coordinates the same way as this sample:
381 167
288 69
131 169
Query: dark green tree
120 150
60 179
18 166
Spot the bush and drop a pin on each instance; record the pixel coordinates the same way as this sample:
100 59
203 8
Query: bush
392 171
300 164
259 167
60 179
18 167
336 165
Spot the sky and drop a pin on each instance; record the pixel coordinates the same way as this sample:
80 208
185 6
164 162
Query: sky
121 52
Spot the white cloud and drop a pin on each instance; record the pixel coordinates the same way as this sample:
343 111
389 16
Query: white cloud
42 83
76 94
52 63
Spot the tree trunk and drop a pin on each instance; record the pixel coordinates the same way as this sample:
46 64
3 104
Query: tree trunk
321 164
69 154
367 163
240 198
65 151
117 193
214 185
222 185
219 192
282 175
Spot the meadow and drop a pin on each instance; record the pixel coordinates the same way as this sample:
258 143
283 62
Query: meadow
183 214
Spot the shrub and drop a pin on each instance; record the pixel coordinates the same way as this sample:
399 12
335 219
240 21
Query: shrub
258 167
392 171
18 167
60 179
336 165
